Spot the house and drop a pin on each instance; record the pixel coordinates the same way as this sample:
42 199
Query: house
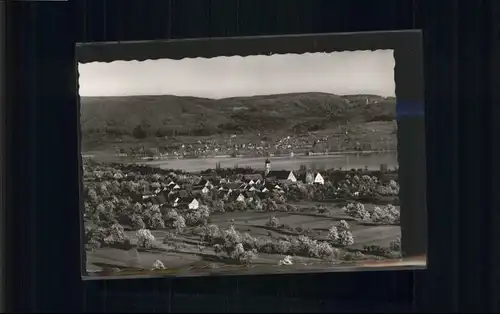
248 195
262 195
232 196
176 187
211 179
281 175
311 178
252 178
176 202
177 194
158 199
194 204
318 179
252 189
240 198
205 183
231 186
189 203
205 190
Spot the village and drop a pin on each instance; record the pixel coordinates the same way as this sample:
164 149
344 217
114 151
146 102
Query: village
138 205
246 188
353 138
187 194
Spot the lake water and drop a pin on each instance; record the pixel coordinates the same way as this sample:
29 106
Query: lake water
346 161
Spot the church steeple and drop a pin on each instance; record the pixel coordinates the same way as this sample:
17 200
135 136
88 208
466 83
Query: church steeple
267 167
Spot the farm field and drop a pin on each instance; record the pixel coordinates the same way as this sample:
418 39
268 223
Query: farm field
186 252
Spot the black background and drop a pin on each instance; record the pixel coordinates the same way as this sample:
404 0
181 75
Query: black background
460 42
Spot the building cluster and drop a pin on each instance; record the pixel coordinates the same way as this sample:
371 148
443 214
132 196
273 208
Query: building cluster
249 186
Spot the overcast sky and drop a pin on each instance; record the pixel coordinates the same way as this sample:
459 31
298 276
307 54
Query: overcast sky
341 73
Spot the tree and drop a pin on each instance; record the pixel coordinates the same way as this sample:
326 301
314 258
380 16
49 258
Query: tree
145 239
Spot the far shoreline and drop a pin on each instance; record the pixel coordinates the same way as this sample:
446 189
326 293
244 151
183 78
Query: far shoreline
153 160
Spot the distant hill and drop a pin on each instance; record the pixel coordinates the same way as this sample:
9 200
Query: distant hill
157 116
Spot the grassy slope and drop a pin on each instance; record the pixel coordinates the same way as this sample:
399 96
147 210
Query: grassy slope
116 117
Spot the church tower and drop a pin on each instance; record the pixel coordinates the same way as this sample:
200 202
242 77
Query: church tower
267 167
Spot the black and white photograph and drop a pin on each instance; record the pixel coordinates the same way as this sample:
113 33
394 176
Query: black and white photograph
261 163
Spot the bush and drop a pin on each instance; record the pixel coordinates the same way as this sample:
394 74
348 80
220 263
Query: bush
230 243
333 234
396 244
283 246
345 238
145 239
356 256
357 211
269 205
306 246
238 253
235 206
171 215
395 213
169 237
99 237
198 217
218 206
158 265
179 224
343 225
287 260
267 246
386 215
211 234
137 222
376 250
321 208
326 251
394 255
153 218
249 242
116 235
94 237
273 222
